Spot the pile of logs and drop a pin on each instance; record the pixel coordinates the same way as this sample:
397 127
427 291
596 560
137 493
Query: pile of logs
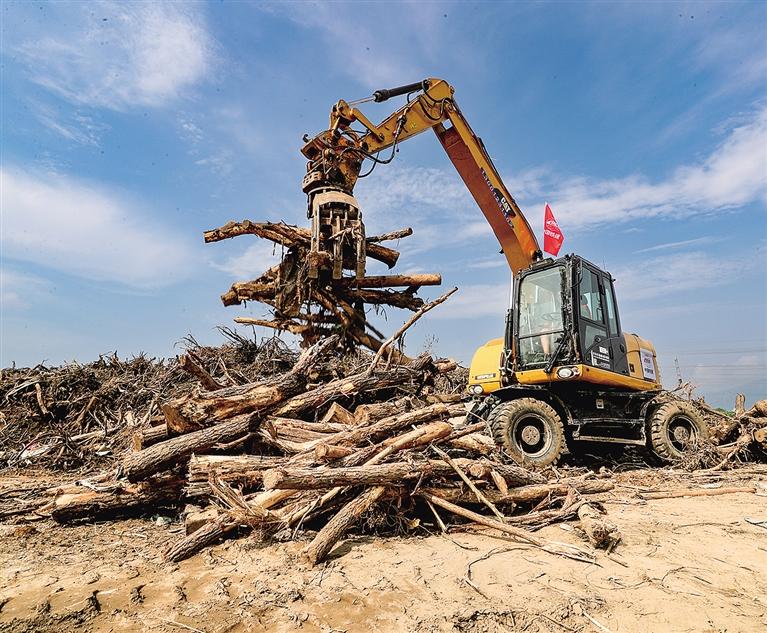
312 307
741 436
324 448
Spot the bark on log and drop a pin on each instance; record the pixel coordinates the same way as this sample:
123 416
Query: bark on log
198 410
142 438
394 298
352 385
386 281
523 494
474 443
245 471
740 405
392 424
140 465
288 236
367 413
206 535
123 499
392 235
376 474
697 492
188 364
334 529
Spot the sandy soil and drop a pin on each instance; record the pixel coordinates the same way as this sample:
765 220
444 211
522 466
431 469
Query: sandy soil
690 564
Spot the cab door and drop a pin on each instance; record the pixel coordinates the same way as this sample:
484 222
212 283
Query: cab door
593 324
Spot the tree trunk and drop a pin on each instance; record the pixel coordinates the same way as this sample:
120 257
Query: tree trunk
93 504
334 529
142 438
206 535
522 494
352 385
366 413
385 281
140 465
288 235
245 471
199 410
372 475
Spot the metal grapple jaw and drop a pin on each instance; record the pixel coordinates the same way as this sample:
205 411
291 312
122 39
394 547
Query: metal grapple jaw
338 234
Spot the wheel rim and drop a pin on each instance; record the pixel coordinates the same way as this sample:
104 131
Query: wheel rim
682 433
531 436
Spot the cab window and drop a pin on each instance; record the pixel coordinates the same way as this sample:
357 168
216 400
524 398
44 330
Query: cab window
540 315
590 299
611 319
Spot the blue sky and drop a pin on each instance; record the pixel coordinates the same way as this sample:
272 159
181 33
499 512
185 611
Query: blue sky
129 129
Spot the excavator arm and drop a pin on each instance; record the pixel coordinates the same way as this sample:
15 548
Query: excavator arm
336 157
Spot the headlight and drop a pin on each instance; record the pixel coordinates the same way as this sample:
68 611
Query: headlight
476 389
567 372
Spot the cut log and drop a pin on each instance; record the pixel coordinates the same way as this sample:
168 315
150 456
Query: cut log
478 443
198 410
367 413
189 365
118 500
334 529
202 537
371 475
141 464
403 300
392 235
697 492
392 424
244 471
339 415
352 385
522 494
142 438
385 281
288 235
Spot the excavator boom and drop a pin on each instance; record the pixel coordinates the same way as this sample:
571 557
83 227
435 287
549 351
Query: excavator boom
336 157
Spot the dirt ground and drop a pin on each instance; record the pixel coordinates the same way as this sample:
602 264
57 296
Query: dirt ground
686 564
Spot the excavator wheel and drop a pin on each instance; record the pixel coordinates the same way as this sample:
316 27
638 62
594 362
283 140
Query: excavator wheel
675 428
529 430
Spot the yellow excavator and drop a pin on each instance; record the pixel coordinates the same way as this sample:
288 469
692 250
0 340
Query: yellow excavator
564 372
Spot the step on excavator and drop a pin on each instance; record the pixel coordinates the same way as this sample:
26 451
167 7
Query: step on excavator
564 372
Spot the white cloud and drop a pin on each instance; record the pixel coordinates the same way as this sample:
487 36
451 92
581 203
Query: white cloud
734 174
251 263
88 231
681 244
439 207
80 128
678 273
390 54
121 55
18 290
476 301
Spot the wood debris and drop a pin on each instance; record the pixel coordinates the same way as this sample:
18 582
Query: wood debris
308 294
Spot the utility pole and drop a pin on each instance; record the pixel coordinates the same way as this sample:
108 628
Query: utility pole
678 371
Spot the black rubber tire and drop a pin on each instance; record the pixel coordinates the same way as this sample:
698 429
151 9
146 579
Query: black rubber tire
665 420
509 419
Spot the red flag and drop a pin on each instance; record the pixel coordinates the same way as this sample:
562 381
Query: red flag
552 235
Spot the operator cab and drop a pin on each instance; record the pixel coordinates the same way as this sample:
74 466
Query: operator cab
564 312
